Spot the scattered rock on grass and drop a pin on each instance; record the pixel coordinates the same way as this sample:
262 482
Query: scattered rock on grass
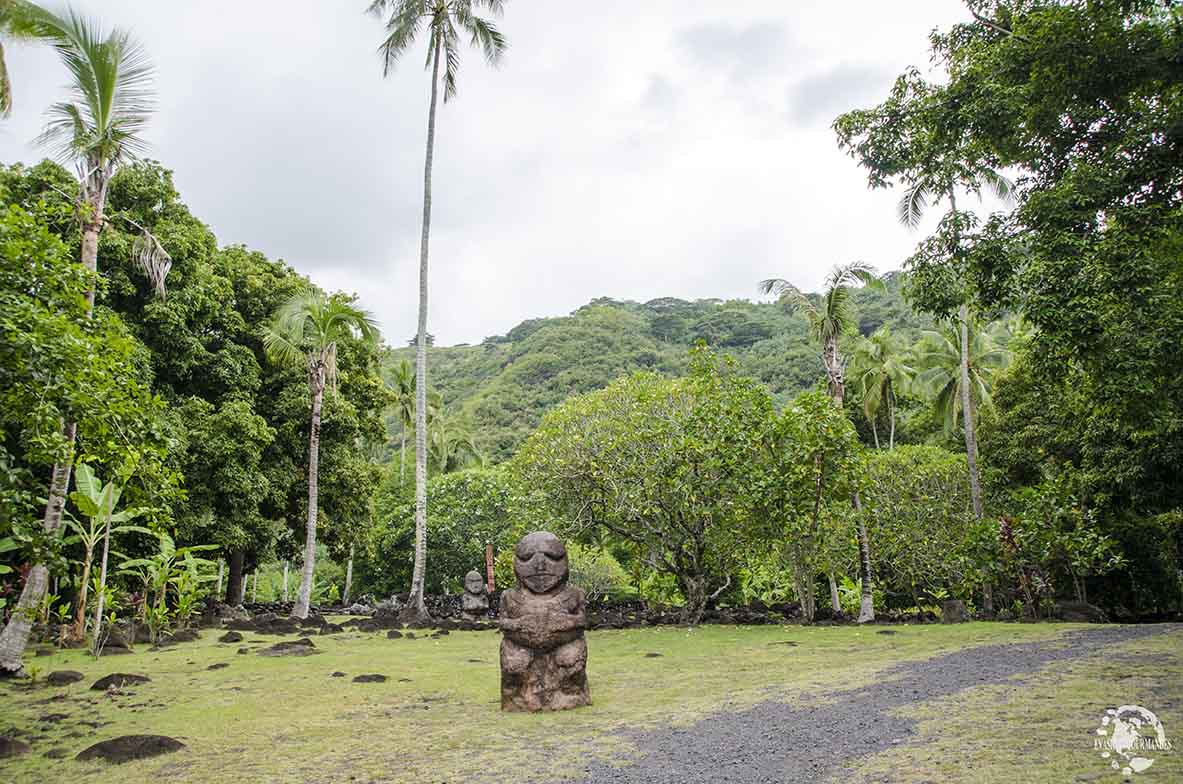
57 753
11 747
370 678
653 655
300 647
244 650
337 674
118 680
887 631
130 747
218 666
63 677
394 634
231 637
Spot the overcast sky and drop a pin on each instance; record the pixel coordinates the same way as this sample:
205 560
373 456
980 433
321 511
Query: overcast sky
624 149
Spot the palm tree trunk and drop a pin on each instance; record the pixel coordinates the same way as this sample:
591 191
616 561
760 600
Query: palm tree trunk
348 578
971 437
316 379
875 432
835 602
221 570
416 610
98 610
285 581
891 414
866 611
255 587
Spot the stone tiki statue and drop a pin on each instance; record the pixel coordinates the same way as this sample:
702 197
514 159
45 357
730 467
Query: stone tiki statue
474 604
543 653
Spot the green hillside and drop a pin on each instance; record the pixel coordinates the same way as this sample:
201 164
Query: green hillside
506 384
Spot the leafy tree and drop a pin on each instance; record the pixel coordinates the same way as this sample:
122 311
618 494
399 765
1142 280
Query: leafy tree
1083 99
98 130
880 363
307 330
59 365
663 466
471 508
828 321
803 480
444 19
923 523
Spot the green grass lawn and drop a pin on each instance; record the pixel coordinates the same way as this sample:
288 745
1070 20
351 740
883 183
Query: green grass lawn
1041 726
437 716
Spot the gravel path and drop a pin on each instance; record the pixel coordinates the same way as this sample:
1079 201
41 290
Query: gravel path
775 742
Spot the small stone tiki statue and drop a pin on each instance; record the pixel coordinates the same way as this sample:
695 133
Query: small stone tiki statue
474 604
543 653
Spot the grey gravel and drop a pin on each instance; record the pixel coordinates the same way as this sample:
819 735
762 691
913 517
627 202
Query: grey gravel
775 742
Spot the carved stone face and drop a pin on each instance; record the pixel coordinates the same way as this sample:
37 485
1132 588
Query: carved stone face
474 583
540 562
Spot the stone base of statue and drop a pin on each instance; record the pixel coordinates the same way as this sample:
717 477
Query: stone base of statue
544 653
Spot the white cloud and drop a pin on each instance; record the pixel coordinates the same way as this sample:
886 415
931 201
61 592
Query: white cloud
626 149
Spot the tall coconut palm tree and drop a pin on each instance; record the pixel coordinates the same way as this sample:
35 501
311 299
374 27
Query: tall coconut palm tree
942 362
306 330
920 194
98 130
829 320
443 21
880 363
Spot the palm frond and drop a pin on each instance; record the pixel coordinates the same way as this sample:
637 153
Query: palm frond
450 41
999 185
402 28
483 34
111 90
913 204
851 272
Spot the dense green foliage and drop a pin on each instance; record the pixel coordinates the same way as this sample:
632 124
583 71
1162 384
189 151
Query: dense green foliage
506 384
220 436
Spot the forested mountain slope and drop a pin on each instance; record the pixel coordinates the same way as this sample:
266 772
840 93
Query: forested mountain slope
505 384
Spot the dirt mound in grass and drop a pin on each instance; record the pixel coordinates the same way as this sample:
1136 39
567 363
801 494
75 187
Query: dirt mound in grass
130 747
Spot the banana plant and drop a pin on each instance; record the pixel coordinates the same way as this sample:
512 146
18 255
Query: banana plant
97 502
169 566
